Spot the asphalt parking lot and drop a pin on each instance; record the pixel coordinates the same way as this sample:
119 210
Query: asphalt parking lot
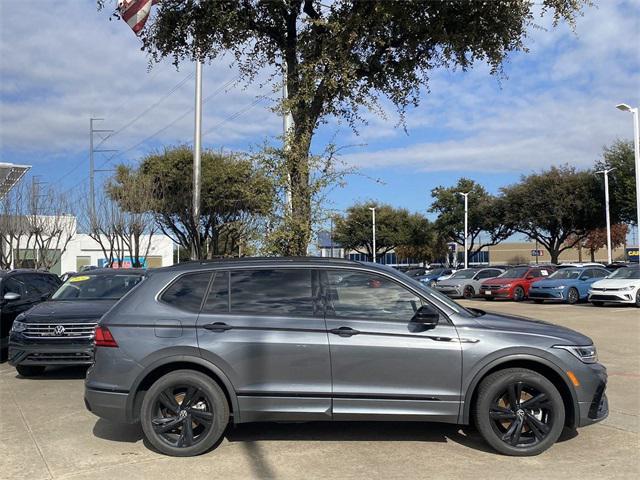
47 433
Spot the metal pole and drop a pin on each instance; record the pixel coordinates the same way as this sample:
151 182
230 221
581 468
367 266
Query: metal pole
606 206
466 230
373 228
92 197
331 234
197 134
636 143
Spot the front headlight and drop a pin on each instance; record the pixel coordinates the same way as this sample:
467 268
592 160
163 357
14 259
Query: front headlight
560 287
586 354
626 289
18 326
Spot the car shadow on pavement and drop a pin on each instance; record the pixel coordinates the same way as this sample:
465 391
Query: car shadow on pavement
58 373
358 432
117 432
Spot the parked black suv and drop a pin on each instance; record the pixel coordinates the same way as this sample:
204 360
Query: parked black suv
60 331
19 291
199 345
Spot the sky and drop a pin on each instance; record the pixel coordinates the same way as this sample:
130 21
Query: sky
63 62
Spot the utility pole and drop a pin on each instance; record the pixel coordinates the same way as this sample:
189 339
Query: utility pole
373 215
466 228
197 147
606 206
92 169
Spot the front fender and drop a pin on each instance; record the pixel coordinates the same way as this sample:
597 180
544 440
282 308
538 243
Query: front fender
505 356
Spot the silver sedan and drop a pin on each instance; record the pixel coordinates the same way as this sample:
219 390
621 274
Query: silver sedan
466 283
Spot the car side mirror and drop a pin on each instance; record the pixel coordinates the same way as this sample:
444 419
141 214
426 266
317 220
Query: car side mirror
11 297
426 316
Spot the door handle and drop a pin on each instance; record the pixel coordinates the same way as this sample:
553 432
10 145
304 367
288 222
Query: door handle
344 331
217 327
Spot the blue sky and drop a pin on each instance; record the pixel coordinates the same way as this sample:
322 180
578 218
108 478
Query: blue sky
555 106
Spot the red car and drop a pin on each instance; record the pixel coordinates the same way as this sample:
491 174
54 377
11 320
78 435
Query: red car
514 283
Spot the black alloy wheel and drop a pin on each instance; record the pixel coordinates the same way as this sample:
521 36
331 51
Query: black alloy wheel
468 292
573 296
518 294
638 298
519 412
184 413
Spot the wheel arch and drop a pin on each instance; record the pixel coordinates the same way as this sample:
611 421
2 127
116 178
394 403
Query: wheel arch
540 365
179 362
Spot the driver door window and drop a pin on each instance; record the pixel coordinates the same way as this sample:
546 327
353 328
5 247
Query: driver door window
367 296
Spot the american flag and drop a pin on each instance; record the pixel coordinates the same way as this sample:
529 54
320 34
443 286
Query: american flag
135 12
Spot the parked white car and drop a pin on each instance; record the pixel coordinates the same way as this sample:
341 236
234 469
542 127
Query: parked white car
622 286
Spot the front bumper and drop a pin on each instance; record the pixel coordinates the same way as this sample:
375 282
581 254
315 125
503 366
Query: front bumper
595 407
613 296
546 294
43 353
448 290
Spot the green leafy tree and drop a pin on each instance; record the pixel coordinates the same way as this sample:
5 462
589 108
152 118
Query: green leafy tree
236 197
342 57
557 207
486 223
394 227
622 185
422 243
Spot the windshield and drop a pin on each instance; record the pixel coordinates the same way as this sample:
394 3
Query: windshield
626 273
464 274
435 271
566 274
104 287
514 273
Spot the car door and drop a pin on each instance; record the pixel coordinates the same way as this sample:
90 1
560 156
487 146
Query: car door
10 309
587 278
264 327
383 364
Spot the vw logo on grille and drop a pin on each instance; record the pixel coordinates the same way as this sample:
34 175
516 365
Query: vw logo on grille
58 330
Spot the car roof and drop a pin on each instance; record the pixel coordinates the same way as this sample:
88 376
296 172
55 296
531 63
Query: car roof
6 273
111 271
264 262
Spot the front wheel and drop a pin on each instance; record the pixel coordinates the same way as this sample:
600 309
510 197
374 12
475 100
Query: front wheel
184 413
573 296
518 294
519 412
638 298
468 292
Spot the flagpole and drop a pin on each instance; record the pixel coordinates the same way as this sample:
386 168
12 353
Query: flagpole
197 134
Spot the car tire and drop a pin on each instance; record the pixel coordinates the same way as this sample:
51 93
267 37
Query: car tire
528 427
518 294
193 429
468 292
638 298
30 370
573 296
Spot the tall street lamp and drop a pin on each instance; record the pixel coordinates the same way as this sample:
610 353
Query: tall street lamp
606 206
466 227
636 142
373 215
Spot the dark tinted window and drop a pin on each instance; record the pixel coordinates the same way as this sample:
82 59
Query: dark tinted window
187 291
488 274
273 292
13 285
218 297
599 273
369 296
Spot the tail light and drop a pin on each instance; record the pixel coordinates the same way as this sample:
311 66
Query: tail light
103 338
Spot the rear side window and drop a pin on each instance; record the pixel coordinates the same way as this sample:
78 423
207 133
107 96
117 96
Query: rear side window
187 291
286 292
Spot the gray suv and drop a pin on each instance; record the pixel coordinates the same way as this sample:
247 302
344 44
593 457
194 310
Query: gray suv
199 345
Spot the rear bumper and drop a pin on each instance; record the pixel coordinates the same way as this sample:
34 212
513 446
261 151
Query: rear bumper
109 405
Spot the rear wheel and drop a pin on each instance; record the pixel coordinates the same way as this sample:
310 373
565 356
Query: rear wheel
573 296
468 292
518 294
30 370
519 412
184 413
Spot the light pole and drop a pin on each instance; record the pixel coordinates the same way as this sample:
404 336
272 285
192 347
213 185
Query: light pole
373 228
606 206
466 227
636 142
